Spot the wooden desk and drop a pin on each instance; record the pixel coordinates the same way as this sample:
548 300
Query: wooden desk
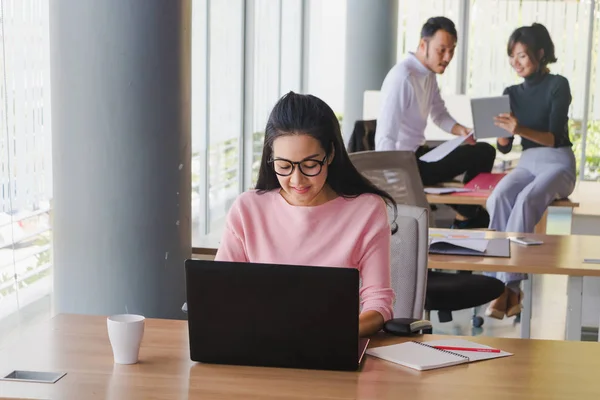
79 346
586 221
559 255
481 201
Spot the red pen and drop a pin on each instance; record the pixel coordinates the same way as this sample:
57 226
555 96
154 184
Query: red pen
452 348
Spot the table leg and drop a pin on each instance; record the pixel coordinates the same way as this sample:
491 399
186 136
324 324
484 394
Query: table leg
574 307
542 225
527 306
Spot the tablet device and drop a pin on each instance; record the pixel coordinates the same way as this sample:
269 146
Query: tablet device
484 109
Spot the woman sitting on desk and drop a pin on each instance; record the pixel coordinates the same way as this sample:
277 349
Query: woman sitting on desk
546 170
312 207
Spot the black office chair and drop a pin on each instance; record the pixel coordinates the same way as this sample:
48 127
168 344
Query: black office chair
447 292
396 172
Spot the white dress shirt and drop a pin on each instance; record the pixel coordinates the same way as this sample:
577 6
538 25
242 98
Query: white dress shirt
409 94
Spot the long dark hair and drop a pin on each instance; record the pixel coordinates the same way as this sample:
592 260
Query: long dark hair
535 38
299 114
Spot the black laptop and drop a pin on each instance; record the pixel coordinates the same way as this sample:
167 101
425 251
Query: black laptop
273 315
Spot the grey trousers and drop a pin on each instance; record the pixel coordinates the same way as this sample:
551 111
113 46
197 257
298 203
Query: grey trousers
519 201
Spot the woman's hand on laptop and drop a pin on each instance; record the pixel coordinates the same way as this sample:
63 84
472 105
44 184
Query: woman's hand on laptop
460 130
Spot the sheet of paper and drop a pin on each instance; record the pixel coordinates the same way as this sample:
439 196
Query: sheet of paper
445 190
444 149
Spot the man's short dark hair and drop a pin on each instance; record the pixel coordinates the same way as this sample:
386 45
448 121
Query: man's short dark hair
435 24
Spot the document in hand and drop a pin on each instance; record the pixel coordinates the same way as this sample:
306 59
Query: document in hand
424 356
444 149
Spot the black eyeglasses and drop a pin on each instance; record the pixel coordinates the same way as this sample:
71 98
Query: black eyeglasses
310 167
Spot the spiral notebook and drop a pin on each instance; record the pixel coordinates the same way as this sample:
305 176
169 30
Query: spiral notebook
424 356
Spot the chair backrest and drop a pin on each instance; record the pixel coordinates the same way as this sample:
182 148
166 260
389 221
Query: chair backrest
363 136
395 172
409 261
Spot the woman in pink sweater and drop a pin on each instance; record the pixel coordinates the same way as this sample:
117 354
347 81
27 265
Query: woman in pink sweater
312 207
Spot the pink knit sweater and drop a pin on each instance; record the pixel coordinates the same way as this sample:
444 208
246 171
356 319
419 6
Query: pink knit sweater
353 233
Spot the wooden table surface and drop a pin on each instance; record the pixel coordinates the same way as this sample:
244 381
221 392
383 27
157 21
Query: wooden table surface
559 255
79 346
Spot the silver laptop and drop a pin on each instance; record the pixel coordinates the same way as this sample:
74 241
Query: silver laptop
484 109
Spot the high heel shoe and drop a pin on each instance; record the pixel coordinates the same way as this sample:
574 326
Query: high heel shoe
513 303
497 307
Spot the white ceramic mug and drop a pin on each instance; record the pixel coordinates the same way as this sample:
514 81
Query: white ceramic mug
125 332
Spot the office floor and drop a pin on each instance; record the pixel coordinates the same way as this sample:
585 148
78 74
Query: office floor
549 301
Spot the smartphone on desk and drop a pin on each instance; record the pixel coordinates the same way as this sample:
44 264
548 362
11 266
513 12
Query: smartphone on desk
525 241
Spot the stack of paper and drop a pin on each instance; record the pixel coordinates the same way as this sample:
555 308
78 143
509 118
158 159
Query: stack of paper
468 240
467 243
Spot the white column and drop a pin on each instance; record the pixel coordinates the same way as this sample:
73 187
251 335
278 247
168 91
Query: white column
371 41
120 81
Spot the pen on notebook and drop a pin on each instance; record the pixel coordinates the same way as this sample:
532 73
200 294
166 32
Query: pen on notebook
478 350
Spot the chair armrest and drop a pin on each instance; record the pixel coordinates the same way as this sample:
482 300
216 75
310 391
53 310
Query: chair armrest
406 326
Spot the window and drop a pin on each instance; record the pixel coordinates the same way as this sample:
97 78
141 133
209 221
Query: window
275 59
266 78
225 113
240 69
25 157
199 117
590 147
327 52
487 52
412 16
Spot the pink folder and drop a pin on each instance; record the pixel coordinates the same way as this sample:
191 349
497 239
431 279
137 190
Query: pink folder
482 185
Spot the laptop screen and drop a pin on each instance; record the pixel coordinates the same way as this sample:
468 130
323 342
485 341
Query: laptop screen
273 315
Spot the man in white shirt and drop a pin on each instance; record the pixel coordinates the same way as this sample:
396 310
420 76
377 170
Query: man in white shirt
410 94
